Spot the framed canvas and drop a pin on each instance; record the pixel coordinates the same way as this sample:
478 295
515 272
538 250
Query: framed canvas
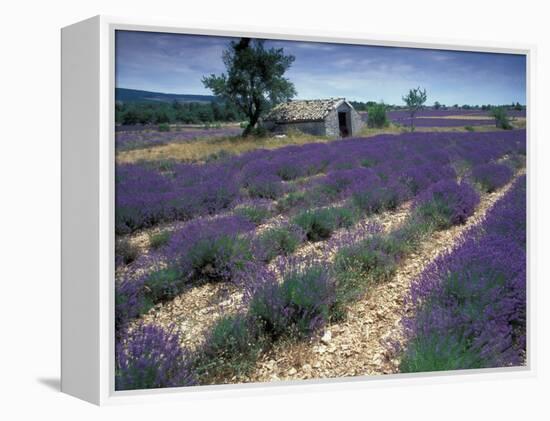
246 211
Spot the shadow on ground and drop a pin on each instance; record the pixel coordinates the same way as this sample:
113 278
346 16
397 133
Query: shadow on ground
53 383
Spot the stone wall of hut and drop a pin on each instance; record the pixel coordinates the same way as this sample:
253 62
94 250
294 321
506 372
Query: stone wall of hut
315 128
354 121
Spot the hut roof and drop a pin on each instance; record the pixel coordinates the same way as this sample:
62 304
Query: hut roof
303 110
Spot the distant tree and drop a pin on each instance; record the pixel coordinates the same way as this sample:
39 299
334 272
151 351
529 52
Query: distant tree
146 116
217 112
376 116
162 117
501 118
358 105
415 100
206 115
518 107
176 105
255 79
437 105
130 118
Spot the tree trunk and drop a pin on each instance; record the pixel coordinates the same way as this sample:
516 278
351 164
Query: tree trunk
252 122
248 129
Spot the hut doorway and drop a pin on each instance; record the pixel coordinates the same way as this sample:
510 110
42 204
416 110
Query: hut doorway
343 124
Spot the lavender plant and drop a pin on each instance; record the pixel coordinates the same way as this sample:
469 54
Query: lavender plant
265 186
299 306
147 356
125 252
163 284
211 249
130 301
278 241
159 239
358 266
230 349
492 176
374 199
318 224
295 200
256 211
446 203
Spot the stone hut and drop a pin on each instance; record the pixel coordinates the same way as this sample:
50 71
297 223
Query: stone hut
321 117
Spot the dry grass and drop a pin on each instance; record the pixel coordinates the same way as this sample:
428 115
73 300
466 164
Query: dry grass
199 151
519 122
390 129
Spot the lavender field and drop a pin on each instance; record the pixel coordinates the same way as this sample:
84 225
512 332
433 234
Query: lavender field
268 264
447 118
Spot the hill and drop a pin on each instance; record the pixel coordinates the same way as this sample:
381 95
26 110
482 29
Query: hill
135 95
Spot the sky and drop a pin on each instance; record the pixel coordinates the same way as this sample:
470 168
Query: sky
176 63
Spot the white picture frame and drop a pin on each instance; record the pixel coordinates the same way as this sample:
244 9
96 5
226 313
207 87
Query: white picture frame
88 213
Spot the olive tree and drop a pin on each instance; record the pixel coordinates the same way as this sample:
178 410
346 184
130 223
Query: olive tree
254 80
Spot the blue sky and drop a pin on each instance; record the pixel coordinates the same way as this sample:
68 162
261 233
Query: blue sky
174 63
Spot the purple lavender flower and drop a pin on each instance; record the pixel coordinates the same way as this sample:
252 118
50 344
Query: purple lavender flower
265 186
147 356
212 249
492 176
299 306
447 203
130 301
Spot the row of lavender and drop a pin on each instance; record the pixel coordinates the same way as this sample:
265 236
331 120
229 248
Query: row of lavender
398 114
444 122
471 303
147 194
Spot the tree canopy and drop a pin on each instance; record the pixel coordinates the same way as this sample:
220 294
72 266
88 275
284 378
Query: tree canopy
501 118
415 100
254 81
